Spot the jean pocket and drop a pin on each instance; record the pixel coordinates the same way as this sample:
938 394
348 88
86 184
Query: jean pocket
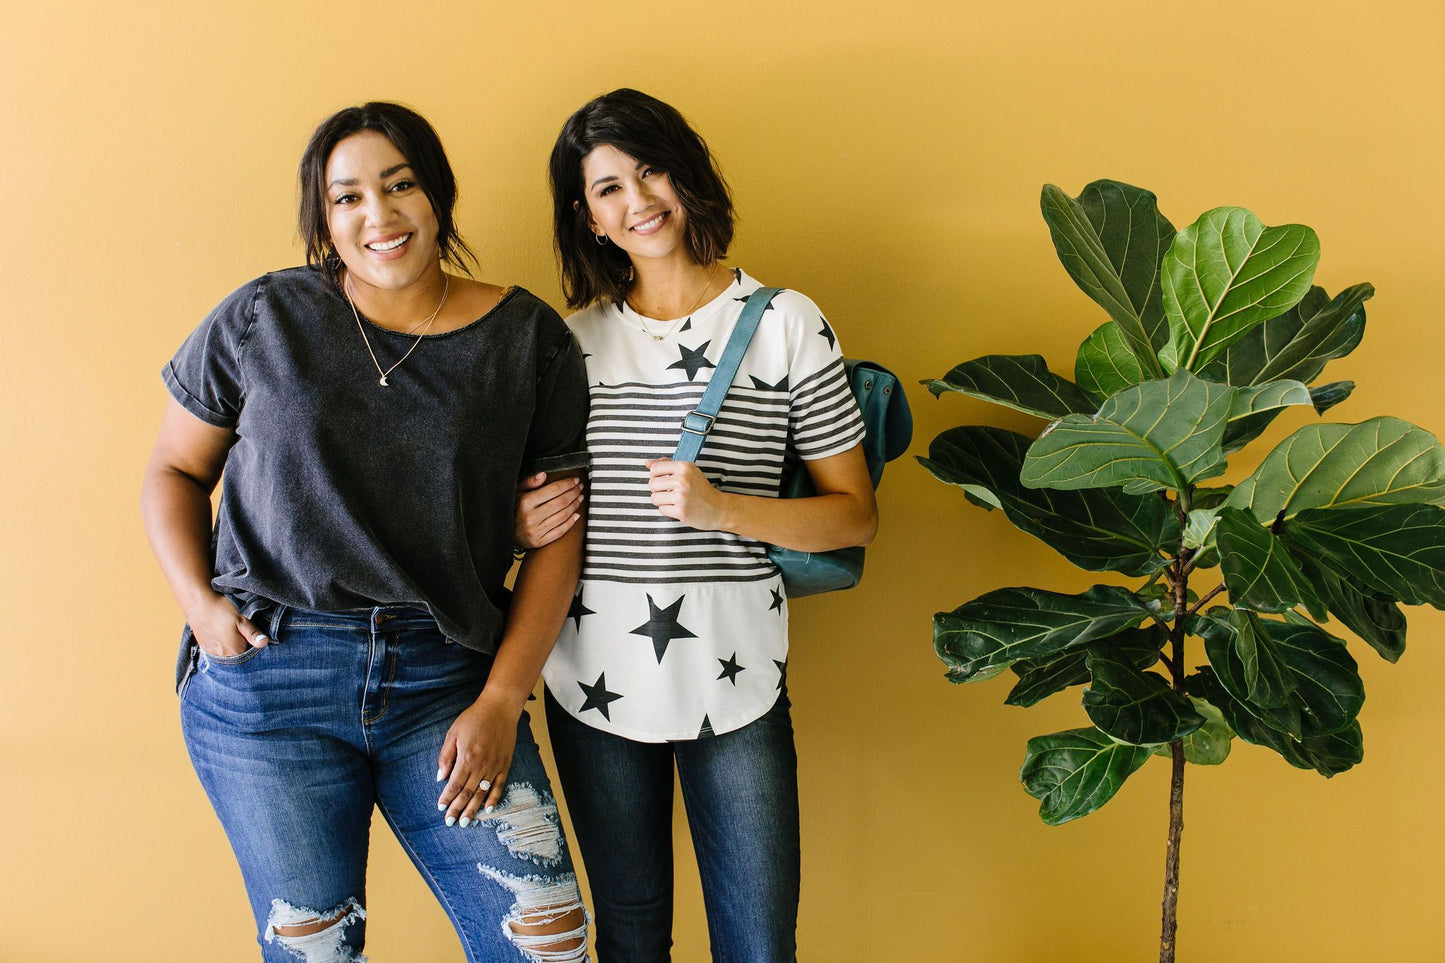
240 658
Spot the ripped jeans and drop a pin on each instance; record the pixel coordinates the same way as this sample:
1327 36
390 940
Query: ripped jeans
296 742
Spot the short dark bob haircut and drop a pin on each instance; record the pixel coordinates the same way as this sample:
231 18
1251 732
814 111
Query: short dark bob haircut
421 147
656 134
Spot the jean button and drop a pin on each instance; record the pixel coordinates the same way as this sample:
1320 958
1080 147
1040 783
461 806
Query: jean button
382 617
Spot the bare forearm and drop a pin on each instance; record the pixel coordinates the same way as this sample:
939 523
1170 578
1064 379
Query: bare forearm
176 512
818 524
543 590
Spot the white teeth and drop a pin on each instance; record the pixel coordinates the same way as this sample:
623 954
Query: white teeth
383 246
648 224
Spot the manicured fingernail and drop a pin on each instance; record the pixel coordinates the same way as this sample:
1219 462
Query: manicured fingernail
488 810
441 807
441 773
451 820
465 822
262 639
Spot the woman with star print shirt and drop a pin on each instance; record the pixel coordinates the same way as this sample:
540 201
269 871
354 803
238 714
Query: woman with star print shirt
675 650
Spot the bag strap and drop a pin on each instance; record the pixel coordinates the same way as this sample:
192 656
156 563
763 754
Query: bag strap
698 422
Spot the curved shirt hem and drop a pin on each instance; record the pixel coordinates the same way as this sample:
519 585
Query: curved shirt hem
753 714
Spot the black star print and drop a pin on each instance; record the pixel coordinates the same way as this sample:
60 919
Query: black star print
692 360
706 731
662 626
686 325
578 610
745 297
737 275
730 669
598 697
776 606
762 385
782 672
827 332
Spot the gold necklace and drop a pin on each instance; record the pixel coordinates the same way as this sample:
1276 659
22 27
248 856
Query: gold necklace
424 325
686 314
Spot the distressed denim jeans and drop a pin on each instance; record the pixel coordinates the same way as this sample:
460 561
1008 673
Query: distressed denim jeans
295 743
740 790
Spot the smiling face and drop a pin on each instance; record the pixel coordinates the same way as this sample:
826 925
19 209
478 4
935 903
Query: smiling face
380 220
634 204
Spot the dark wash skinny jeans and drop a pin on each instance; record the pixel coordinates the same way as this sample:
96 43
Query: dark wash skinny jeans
740 791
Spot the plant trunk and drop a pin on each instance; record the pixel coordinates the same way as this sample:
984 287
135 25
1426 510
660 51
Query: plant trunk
1170 924
1171 855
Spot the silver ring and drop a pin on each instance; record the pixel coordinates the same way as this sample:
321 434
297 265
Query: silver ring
484 785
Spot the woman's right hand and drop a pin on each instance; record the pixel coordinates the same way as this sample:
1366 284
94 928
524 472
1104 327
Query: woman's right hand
223 632
546 510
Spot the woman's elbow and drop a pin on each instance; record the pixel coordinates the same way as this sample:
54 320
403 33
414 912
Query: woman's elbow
867 523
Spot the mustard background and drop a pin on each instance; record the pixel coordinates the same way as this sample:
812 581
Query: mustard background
887 161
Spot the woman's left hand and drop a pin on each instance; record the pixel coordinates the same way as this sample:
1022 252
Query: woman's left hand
475 758
680 490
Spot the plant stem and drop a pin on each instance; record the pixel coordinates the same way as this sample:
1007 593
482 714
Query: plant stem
1170 923
1171 856
1211 594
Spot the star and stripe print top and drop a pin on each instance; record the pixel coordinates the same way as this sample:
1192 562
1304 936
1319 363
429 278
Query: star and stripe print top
677 633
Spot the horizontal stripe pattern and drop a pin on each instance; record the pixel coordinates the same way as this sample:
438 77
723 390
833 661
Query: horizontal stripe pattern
629 540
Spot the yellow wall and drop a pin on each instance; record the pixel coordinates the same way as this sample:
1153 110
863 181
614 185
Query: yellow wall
887 160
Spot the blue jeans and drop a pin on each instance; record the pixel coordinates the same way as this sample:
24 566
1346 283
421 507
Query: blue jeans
296 742
740 791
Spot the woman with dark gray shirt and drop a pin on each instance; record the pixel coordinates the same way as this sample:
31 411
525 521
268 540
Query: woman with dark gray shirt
349 642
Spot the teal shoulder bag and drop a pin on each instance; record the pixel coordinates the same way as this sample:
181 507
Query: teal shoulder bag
888 429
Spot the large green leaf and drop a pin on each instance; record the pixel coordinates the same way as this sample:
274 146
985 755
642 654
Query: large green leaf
1226 273
1242 722
1328 687
1258 569
1111 240
1241 431
1373 618
1326 752
1383 461
1022 382
1209 744
1105 365
1330 753
1270 396
981 637
1041 678
1394 550
1297 344
1164 433
1133 706
1096 529
1249 666
1075 772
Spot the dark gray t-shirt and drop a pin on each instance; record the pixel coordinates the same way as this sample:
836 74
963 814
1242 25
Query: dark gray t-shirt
340 493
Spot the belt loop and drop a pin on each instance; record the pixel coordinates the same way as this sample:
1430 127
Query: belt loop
276 614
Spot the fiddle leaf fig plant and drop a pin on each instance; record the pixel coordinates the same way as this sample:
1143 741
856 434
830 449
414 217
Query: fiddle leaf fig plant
1233 629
